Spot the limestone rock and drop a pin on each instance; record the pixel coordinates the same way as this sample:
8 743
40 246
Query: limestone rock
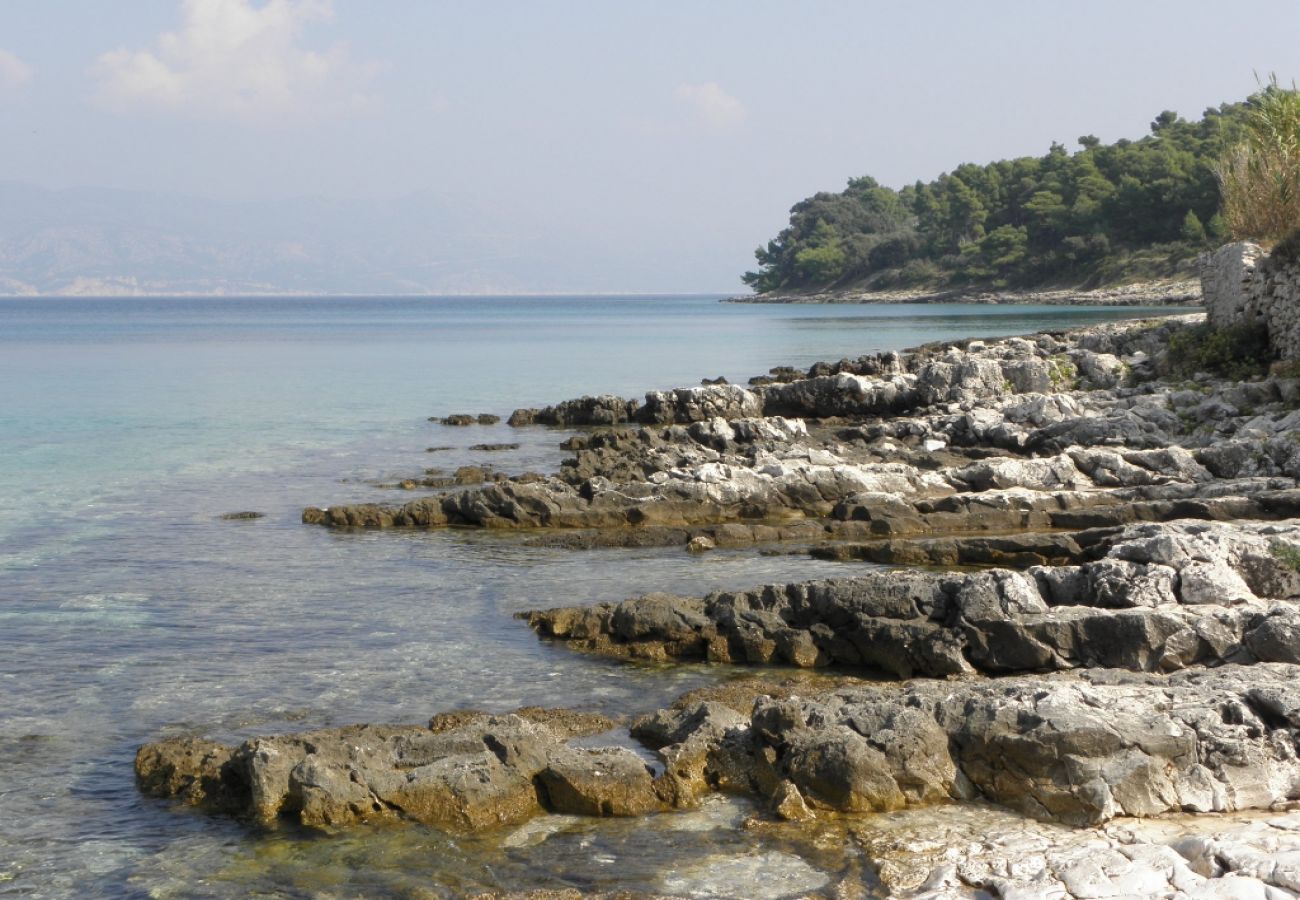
612 781
1277 637
1079 748
468 772
697 404
1161 597
843 394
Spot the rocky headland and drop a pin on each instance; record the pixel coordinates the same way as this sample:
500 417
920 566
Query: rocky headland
1064 659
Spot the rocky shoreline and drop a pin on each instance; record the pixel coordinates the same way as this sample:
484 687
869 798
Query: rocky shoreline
1095 623
1060 431
1155 293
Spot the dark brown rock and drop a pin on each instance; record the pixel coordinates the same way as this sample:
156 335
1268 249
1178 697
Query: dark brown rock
197 771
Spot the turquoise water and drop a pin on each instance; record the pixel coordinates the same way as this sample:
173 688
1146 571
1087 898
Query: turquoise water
130 610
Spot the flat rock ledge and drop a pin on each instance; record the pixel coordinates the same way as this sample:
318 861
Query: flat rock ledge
1079 748
973 851
1163 597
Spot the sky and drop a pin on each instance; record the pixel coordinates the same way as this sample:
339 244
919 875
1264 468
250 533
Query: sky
677 132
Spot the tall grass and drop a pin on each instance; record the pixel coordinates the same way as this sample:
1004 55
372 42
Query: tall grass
1260 177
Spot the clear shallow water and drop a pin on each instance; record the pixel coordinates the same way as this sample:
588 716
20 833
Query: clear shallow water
129 610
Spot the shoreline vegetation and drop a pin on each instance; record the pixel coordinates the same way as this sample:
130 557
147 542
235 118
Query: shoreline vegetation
1184 292
1105 216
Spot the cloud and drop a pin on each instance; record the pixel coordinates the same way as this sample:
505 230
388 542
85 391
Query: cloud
712 107
232 59
14 73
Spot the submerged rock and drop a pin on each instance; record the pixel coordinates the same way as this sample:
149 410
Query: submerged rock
766 875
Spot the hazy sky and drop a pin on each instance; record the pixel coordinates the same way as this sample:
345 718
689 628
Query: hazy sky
683 128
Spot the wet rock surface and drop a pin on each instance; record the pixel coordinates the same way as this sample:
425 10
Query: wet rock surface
463 419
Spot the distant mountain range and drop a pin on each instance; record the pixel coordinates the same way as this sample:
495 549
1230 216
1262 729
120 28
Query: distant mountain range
93 241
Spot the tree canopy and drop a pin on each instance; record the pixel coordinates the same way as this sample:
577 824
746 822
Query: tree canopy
1098 214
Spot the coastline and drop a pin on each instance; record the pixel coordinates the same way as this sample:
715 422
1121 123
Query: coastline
1156 293
1107 539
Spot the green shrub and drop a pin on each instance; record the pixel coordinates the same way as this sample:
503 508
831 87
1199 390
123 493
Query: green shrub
1063 373
1237 352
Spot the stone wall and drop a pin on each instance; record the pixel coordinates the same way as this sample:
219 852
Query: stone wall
1241 284
1228 283
1277 289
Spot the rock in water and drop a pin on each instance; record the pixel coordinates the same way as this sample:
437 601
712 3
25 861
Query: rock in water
467 773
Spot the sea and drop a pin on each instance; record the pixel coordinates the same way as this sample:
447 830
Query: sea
130 610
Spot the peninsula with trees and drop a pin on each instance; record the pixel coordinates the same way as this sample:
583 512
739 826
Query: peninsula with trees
1106 216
